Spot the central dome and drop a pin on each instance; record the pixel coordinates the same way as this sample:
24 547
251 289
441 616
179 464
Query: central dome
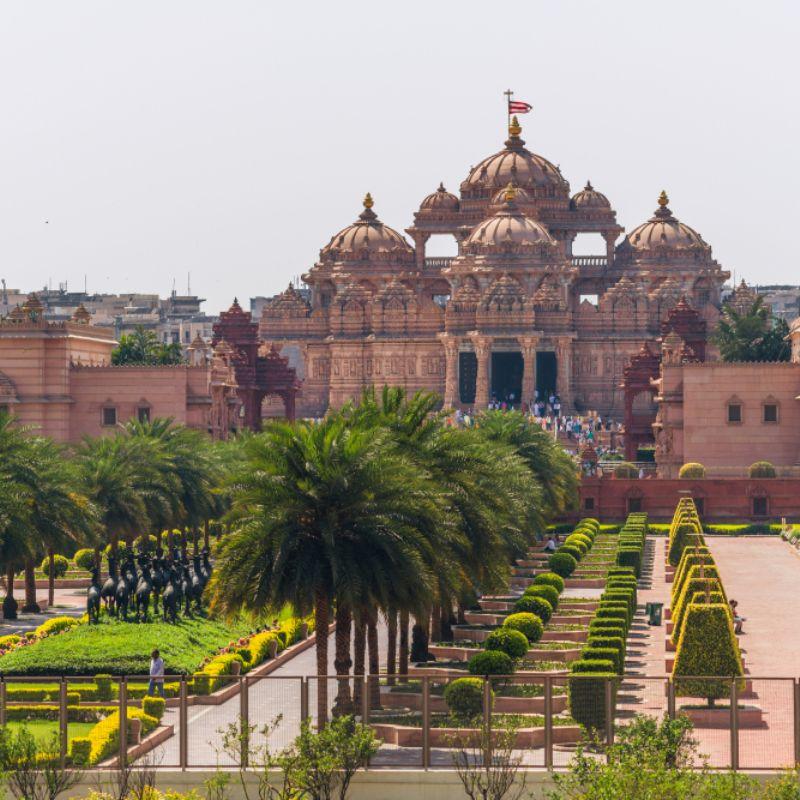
509 229
514 164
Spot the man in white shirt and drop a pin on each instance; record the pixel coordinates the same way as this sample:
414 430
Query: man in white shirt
156 674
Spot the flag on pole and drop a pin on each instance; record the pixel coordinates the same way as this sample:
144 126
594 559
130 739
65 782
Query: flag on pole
518 107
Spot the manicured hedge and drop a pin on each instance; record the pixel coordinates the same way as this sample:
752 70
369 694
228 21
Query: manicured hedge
535 605
550 579
526 623
464 698
586 688
591 653
507 640
707 646
103 739
545 591
490 662
562 564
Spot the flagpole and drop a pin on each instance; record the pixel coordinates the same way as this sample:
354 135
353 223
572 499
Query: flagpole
509 94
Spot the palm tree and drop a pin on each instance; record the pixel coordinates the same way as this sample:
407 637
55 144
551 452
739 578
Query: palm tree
120 476
189 471
326 512
751 334
15 506
61 516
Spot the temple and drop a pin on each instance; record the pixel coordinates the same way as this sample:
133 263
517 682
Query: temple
514 315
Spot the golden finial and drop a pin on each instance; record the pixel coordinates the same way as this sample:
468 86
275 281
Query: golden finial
663 199
514 129
368 201
511 193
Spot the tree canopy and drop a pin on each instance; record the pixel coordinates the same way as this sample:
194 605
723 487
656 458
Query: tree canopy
143 347
754 335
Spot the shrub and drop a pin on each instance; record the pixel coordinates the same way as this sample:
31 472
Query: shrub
618 614
625 470
103 739
56 625
624 595
419 644
693 585
611 654
84 559
621 571
607 640
630 557
507 640
692 470
616 607
562 564
586 687
580 543
686 535
689 560
761 469
210 679
526 623
464 698
549 579
154 706
606 628
490 662
707 646
535 605
571 551
105 687
548 593
60 566
581 538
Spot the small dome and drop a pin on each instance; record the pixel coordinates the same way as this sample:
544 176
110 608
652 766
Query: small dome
440 200
368 238
509 228
521 197
589 198
514 164
664 230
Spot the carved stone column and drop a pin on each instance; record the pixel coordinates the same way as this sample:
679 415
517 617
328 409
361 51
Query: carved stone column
564 372
610 237
450 344
528 346
483 352
420 239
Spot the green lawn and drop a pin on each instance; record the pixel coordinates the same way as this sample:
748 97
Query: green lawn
44 730
122 648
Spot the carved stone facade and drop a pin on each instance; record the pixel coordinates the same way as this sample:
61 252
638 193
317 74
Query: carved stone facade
513 314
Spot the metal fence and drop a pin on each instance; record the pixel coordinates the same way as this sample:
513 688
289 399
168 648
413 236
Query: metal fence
754 723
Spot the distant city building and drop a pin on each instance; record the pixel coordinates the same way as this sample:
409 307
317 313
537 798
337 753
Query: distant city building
174 319
784 300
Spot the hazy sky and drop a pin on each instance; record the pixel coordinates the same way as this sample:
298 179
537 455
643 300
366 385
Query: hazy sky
142 140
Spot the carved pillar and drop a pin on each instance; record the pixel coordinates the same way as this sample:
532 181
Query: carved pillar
483 352
450 344
528 346
420 239
610 237
564 372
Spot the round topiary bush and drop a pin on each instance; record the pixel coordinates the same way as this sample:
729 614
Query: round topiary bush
562 564
692 470
549 593
570 550
526 623
625 470
761 469
490 662
550 579
464 698
532 604
84 559
60 566
579 541
508 641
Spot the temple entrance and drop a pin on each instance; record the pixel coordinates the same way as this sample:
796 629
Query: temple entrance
546 374
467 375
507 377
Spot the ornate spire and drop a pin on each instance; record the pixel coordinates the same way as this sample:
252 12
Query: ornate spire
514 129
588 187
368 215
514 142
662 212
510 193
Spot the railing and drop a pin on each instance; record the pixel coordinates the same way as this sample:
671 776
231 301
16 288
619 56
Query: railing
754 723
589 261
441 262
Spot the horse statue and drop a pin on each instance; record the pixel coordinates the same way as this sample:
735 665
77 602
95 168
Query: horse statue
159 578
126 586
186 589
93 596
144 588
197 582
207 568
109 590
170 599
